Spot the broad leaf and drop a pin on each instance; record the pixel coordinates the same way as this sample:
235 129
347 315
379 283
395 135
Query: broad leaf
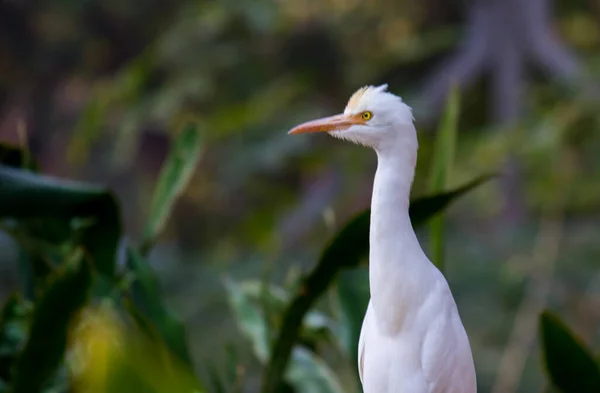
274 299
423 209
175 174
307 373
310 374
27 196
250 320
570 365
443 160
43 353
151 312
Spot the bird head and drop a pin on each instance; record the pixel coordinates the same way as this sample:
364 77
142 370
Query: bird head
373 117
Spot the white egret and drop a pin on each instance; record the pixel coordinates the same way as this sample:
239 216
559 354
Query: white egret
412 338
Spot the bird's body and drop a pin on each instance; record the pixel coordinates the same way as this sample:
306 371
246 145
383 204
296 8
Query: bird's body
412 339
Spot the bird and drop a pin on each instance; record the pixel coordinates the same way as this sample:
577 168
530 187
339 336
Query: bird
412 338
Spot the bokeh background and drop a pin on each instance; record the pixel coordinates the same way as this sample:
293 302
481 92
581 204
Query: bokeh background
96 90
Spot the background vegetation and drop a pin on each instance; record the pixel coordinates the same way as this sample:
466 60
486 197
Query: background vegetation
161 232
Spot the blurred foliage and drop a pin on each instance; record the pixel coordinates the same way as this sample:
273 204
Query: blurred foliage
65 202
443 161
108 357
570 364
146 305
104 90
45 345
132 342
176 174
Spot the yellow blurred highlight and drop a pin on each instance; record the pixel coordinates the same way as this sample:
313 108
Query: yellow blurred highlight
106 355
94 344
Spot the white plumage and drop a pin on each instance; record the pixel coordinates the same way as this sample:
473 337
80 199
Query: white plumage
412 339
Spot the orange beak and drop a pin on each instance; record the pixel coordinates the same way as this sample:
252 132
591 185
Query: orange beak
327 124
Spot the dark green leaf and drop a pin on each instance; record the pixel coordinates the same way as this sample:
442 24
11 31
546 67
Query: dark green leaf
150 306
29 267
443 159
37 255
570 365
13 331
25 195
425 208
43 353
102 238
231 379
347 249
215 379
15 157
353 294
176 173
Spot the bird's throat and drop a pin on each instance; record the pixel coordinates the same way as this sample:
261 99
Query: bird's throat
395 254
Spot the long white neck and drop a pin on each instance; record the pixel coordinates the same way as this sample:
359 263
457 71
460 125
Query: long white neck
397 263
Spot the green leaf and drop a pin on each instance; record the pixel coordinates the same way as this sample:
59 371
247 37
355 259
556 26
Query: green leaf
353 293
151 312
13 332
250 320
175 174
443 160
346 250
32 266
232 381
274 299
43 353
310 374
27 196
216 381
570 365
33 271
307 373
423 209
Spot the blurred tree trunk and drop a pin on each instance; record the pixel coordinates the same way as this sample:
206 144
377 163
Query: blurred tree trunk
501 37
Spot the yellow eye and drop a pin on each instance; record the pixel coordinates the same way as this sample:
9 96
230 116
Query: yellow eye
367 115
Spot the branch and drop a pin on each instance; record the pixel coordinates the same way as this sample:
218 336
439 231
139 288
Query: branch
463 67
545 46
